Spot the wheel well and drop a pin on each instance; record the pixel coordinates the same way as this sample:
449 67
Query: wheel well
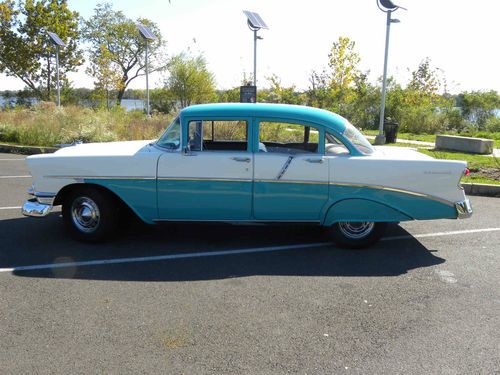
65 191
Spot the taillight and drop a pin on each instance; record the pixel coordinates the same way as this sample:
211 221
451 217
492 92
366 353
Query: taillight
466 172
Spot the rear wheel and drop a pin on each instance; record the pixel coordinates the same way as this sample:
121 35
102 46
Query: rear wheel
357 235
90 214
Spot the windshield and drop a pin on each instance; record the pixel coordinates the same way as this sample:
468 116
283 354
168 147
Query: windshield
357 139
171 138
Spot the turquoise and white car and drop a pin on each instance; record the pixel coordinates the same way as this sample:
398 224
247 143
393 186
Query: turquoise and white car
250 163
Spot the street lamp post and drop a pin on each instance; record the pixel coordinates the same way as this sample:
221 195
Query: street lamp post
58 43
255 23
388 7
148 36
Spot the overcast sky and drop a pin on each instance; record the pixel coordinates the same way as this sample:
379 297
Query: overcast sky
462 41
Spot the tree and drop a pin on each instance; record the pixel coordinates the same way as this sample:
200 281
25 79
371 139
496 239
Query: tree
190 82
280 94
343 61
25 49
425 79
115 38
479 107
106 77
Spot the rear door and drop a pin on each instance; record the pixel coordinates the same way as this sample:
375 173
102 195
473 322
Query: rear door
290 171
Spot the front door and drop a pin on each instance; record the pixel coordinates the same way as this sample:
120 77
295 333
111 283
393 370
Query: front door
291 173
212 179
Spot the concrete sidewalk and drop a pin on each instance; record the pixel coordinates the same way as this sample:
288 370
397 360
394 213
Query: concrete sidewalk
496 151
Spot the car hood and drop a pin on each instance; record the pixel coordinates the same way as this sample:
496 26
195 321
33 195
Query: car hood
128 148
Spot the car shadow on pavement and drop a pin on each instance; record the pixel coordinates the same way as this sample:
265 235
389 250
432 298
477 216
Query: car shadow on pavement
29 241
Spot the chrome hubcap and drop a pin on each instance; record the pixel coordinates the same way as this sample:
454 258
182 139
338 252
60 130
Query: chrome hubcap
356 230
85 214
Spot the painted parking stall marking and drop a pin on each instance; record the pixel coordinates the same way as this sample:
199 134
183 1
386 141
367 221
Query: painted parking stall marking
223 252
11 208
438 234
22 176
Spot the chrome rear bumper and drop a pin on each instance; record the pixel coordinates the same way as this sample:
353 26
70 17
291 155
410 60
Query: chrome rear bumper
464 209
36 209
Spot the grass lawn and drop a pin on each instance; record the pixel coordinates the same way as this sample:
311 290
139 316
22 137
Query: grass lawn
474 162
484 169
479 180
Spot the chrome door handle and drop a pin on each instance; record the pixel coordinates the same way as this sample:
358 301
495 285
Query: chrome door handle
241 159
314 160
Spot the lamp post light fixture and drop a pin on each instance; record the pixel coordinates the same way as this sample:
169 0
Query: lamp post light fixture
388 7
255 23
54 38
147 34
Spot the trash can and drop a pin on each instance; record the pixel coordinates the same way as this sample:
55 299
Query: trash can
390 131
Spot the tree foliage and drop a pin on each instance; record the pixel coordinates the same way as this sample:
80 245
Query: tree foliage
114 40
343 62
189 81
480 107
107 78
25 49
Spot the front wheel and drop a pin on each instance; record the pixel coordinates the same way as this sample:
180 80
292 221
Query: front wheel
357 235
89 214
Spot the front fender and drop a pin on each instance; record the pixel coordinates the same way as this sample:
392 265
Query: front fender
355 209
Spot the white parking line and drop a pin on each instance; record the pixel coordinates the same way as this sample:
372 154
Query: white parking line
439 234
164 257
23 176
223 252
12 159
10 208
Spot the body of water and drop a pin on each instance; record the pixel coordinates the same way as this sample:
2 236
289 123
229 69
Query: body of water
128 104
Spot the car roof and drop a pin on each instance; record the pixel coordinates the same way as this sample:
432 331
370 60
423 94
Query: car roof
278 111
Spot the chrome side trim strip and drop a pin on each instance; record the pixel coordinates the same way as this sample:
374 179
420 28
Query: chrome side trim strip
285 167
103 177
295 182
240 221
204 179
360 185
397 190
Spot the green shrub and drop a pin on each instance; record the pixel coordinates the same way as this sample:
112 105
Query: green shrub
47 125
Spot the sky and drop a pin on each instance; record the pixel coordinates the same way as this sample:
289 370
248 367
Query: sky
460 37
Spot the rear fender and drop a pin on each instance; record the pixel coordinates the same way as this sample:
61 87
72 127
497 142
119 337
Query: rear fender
355 209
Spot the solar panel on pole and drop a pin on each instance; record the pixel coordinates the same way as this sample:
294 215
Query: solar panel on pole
255 19
146 32
55 39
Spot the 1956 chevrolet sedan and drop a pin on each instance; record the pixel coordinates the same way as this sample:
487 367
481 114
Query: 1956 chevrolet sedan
248 162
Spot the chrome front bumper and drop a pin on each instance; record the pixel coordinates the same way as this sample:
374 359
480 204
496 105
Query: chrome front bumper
36 209
38 206
464 209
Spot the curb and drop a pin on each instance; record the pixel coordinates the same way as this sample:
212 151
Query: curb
485 190
26 150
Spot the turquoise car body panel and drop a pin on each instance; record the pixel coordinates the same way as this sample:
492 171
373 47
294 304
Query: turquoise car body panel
231 200
205 200
352 203
138 194
289 201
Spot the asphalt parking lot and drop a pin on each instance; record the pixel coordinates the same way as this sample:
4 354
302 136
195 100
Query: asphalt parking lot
240 299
